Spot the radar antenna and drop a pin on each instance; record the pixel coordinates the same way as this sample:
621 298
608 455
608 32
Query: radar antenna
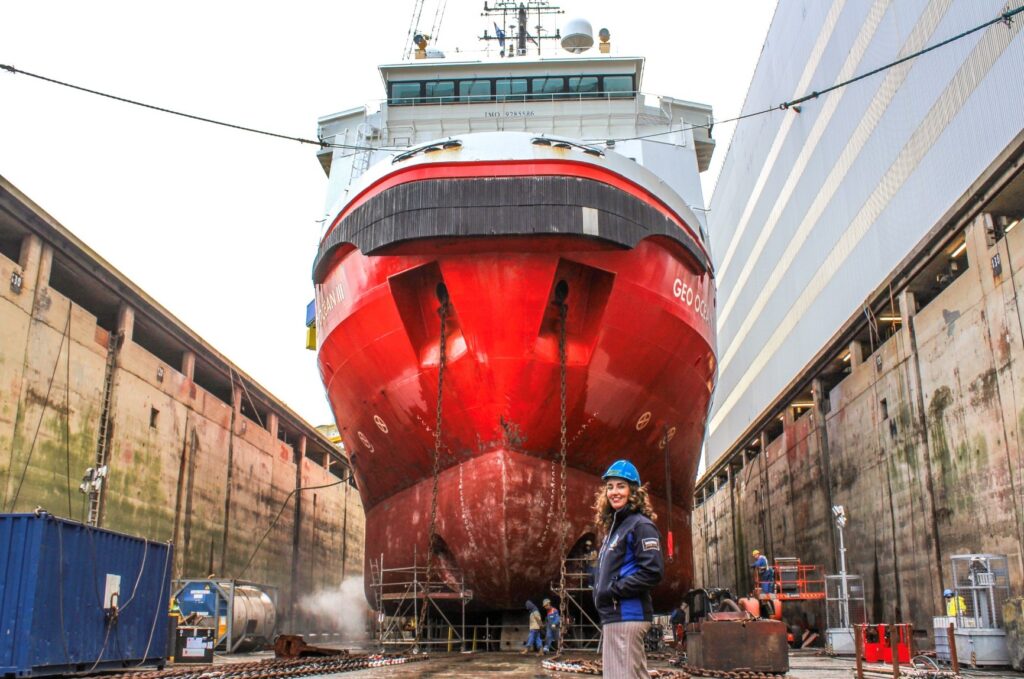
519 10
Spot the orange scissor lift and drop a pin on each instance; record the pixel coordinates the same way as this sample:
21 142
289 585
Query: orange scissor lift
796 581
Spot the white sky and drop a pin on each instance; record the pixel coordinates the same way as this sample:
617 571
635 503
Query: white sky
220 225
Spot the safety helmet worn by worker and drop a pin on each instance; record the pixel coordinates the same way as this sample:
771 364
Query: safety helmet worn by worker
622 469
947 593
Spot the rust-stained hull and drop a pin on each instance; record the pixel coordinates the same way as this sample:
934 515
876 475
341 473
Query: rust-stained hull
640 364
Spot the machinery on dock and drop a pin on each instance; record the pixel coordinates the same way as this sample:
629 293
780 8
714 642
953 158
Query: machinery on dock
844 598
981 585
72 593
504 306
723 635
242 614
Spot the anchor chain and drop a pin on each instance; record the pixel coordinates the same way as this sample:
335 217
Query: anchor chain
669 546
280 669
581 666
563 311
442 363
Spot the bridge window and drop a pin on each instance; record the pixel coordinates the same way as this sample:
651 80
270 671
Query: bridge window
477 90
511 89
584 85
474 90
548 87
618 86
439 91
405 93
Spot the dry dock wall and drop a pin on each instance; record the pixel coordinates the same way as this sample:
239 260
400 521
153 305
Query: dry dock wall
210 471
921 442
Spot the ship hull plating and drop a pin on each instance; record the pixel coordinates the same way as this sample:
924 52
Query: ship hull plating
640 370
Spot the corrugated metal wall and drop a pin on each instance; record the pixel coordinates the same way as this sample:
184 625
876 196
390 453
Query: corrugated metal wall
814 209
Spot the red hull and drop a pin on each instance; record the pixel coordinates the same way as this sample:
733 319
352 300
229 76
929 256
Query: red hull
640 362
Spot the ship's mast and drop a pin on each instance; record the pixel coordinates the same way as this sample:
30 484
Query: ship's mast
521 11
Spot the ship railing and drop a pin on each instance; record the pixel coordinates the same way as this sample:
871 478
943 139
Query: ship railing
515 98
634 104
645 107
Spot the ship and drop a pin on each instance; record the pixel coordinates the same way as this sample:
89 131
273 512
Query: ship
513 290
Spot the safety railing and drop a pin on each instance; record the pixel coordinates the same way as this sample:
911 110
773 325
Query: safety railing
797 581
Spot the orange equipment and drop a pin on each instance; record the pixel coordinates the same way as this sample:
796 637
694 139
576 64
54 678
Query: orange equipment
750 605
795 581
878 643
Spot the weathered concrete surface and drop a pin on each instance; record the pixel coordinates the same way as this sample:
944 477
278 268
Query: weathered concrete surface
804 664
172 440
920 442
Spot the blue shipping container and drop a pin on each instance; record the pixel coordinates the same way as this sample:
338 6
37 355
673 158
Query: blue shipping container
75 598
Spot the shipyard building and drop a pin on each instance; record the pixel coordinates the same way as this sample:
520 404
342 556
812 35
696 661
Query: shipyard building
870 326
114 413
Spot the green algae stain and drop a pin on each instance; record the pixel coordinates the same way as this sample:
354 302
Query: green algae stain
941 400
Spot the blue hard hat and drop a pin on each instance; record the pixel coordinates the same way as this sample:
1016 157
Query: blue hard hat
947 593
622 469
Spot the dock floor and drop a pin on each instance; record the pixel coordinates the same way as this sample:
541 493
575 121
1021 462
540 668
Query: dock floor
804 664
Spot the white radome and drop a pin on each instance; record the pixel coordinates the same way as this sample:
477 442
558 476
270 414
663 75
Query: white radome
578 36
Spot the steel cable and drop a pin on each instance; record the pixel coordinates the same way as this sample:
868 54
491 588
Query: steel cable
190 116
42 412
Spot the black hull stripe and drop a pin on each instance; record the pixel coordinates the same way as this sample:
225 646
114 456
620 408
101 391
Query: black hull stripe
501 206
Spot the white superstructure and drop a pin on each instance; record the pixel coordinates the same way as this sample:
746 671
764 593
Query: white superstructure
814 209
592 99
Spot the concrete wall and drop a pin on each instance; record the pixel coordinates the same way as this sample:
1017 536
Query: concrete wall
934 471
170 476
812 210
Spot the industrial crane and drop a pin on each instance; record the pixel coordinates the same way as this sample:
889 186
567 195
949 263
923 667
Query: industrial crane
417 38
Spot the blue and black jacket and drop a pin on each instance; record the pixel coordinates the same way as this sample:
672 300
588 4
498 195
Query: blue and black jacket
629 565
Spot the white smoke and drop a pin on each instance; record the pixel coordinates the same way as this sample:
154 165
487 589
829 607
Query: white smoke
341 610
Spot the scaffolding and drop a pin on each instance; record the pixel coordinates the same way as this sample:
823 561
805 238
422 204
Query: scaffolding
581 631
416 612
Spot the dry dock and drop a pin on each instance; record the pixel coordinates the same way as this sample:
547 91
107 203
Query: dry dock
96 373
804 664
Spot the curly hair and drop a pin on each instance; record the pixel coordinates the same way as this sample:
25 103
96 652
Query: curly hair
639 501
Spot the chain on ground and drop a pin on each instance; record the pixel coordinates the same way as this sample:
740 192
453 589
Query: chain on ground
280 669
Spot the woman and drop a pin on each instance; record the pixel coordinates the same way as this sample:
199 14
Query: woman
629 565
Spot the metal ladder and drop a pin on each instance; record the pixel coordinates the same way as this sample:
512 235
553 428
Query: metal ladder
364 152
95 476
376 578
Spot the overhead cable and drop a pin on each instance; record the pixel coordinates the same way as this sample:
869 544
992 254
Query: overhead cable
243 128
1004 17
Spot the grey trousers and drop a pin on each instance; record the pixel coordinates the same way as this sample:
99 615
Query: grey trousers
622 650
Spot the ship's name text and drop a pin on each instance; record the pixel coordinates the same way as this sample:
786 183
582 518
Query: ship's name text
326 300
509 114
688 296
